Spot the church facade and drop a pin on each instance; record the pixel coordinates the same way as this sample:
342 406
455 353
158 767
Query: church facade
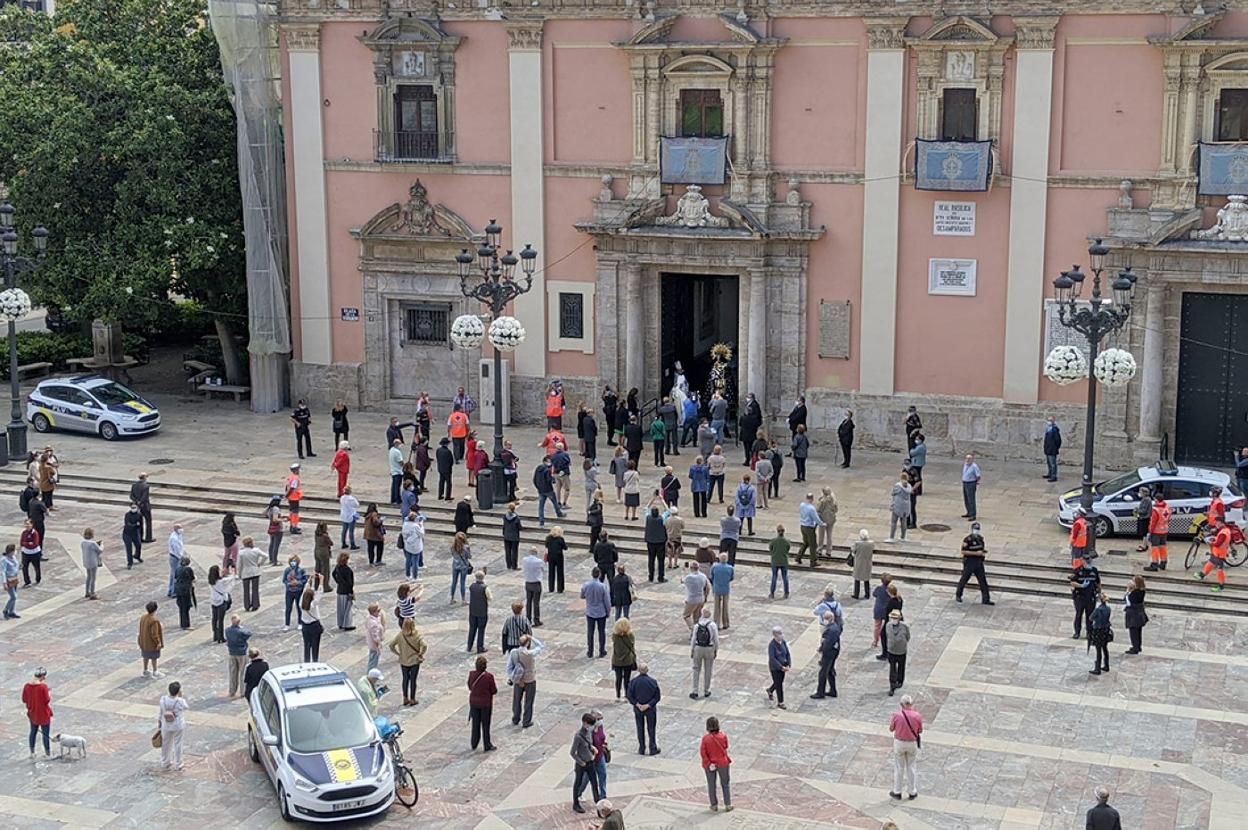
865 210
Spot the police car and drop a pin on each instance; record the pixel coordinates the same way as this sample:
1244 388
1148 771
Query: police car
90 403
1185 489
311 731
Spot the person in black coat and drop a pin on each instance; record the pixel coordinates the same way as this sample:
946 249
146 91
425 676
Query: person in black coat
1133 613
184 592
256 669
589 427
656 543
1052 445
914 425
394 432
605 557
798 416
610 403
751 420
1102 816
446 462
845 434
633 440
464 520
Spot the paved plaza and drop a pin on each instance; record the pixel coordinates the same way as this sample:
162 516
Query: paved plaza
1018 734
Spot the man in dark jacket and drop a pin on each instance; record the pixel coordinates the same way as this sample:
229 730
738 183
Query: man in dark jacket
914 425
845 434
446 463
1102 816
1052 443
667 411
141 494
256 669
829 650
797 417
633 440
394 432
589 431
583 755
544 481
644 695
751 420
605 556
478 612
656 542
1085 585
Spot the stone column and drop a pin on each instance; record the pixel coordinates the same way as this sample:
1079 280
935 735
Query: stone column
1150 364
756 355
634 354
1029 189
303 45
886 72
528 214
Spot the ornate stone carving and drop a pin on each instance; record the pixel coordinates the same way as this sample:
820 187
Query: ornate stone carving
886 32
524 35
417 216
693 210
1034 32
1232 224
794 196
605 194
1125 200
303 38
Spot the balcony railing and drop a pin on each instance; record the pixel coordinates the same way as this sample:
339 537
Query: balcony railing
413 145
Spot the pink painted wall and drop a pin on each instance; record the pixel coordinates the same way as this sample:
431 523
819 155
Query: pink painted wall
588 92
570 256
482 108
835 270
1097 118
347 84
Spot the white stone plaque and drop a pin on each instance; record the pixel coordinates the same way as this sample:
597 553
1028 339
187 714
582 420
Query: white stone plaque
834 329
953 219
959 66
409 64
951 276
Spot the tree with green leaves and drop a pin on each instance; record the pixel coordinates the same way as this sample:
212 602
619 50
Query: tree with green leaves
117 133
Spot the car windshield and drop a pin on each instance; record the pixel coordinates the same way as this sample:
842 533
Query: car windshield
321 727
1117 485
111 394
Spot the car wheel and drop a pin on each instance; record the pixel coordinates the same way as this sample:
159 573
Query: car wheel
282 804
252 749
108 431
41 423
1102 527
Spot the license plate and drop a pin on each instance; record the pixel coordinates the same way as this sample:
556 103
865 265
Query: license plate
348 805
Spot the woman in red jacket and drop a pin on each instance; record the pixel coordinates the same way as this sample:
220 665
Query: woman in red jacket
715 762
481 691
38 700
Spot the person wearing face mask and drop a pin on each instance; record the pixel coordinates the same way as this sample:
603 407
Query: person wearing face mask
973 553
751 421
845 435
132 535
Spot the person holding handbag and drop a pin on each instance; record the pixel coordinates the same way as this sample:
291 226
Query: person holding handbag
907 728
171 726
219 587
344 582
410 648
481 692
715 763
310 620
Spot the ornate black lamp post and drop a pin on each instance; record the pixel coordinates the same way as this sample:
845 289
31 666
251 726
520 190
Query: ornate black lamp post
496 288
15 305
1094 319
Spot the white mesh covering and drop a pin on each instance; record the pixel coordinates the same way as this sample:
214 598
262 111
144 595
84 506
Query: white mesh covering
246 33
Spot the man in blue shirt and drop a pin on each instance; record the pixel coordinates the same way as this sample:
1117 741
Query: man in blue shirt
722 574
808 517
689 429
561 463
597 598
644 696
970 483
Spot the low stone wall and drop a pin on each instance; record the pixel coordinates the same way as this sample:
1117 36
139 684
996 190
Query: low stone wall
528 398
321 385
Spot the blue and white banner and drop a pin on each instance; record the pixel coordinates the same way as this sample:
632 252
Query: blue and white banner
1223 169
952 165
692 160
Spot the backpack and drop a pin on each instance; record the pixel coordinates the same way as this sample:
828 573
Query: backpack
702 635
744 495
23 501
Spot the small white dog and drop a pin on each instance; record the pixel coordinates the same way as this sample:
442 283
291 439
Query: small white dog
71 742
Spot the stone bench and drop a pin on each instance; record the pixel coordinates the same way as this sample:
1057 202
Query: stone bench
40 369
197 366
225 388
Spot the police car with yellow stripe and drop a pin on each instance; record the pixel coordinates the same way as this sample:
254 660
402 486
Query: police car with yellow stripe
313 734
90 403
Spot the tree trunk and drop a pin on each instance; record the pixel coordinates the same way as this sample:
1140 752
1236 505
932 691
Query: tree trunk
230 353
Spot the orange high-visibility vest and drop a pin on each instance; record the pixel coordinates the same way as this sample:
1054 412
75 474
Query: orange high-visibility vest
458 423
294 488
554 405
1159 524
1217 511
1222 543
1079 533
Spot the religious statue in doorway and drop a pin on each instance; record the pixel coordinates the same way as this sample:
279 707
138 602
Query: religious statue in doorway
679 381
721 356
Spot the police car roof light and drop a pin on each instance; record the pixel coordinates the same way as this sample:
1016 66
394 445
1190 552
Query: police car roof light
1166 467
296 683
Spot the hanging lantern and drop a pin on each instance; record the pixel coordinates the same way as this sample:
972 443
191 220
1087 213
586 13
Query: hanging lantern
1065 365
467 331
1114 367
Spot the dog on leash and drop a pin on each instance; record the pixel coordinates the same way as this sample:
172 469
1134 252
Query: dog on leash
71 743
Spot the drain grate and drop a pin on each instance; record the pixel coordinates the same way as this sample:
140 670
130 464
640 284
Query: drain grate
1115 553
935 528
160 461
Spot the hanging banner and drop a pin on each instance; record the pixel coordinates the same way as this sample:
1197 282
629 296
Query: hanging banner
693 160
1223 169
952 165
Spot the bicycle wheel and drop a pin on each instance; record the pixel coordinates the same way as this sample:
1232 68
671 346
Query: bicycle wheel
1238 554
405 789
1193 553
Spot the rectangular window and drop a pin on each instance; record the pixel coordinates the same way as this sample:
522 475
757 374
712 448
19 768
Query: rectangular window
571 316
959 115
415 122
1232 115
701 113
427 323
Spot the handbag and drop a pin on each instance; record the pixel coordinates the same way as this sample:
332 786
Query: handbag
849 559
918 739
157 740
606 753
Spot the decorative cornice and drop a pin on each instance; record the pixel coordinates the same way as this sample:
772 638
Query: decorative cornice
302 37
1034 32
886 32
524 35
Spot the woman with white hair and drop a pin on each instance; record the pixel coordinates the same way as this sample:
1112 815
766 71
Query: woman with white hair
907 728
860 556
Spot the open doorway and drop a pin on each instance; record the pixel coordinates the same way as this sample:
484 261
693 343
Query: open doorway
697 311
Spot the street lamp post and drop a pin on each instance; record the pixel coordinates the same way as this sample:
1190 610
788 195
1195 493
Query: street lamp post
15 305
496 288
1094 319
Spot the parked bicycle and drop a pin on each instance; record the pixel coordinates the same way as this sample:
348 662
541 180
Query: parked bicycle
1202 535
406 792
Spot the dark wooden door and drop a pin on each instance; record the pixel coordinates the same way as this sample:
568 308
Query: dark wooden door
1212 419
415 122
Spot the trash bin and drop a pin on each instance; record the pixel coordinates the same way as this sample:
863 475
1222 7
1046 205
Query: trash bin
485 489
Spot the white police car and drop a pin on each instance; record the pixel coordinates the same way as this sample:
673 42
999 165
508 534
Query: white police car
316 739
1185 489
90 403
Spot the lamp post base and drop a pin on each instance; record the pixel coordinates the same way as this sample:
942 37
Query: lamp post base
16 440
4 450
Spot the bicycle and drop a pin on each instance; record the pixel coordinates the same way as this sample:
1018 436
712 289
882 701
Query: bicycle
406 791
1236 556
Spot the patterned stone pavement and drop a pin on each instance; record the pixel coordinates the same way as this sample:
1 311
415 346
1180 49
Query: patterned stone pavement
1018 733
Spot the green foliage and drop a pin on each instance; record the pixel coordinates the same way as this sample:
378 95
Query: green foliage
57 348
183 322
118 135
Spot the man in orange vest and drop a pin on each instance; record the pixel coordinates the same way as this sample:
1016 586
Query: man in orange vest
294 495
457 428
554 407
1158 531
1217 508
1079 539
553 437
1218 551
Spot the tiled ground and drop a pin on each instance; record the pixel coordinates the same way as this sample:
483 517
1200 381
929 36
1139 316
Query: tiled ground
1019 734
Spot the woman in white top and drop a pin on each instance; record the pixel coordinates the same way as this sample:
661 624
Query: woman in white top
632 491
310 620
220 586
172 721
349 514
